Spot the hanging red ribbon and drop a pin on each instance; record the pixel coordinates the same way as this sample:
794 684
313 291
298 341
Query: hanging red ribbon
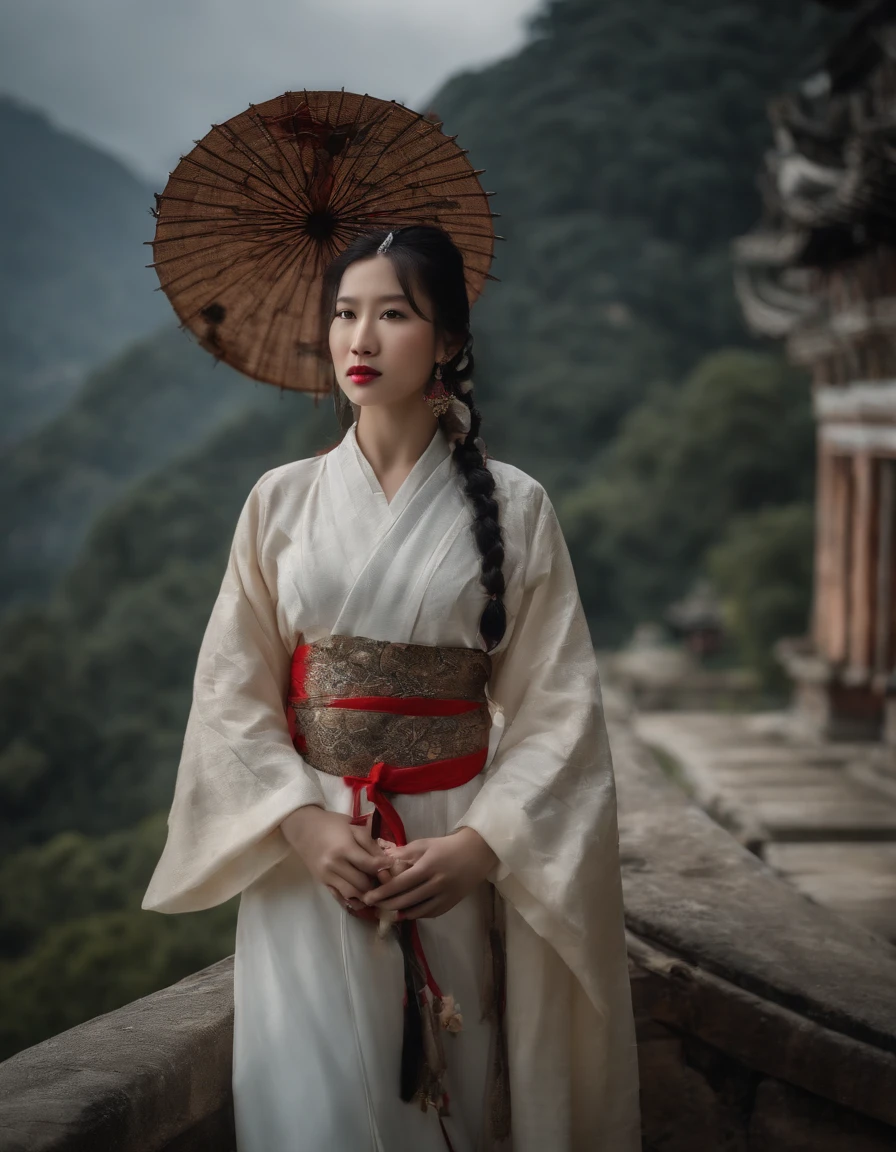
435 776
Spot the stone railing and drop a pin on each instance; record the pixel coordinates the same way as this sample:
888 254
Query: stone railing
764 1022
152 1075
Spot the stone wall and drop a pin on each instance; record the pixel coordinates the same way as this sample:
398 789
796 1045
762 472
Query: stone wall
739 1093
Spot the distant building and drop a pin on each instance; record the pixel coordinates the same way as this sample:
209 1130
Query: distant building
697 620
820 272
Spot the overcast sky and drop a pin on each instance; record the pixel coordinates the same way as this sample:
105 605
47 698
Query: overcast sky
144 78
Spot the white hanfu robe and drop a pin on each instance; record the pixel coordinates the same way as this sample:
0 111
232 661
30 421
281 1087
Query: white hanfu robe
319 551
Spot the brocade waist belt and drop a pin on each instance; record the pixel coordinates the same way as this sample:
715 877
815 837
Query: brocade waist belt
355 701
400 718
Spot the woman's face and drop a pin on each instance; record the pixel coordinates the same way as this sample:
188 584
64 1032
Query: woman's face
374 326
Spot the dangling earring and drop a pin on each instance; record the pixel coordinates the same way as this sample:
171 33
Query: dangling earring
435 393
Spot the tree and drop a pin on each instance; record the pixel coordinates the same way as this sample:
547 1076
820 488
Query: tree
763 568
736 437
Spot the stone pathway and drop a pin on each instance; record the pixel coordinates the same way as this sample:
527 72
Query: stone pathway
812 811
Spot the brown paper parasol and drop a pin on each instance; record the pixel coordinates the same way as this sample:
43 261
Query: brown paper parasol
252 215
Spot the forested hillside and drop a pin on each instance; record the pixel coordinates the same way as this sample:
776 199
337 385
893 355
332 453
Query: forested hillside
135 414
622 143
73 284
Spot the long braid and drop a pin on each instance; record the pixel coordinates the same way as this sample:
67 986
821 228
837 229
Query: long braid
479 488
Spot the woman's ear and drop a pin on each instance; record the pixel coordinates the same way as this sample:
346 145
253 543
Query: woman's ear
447 348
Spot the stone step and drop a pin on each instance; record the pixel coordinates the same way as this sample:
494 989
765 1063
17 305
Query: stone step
807 859
807 819
815 812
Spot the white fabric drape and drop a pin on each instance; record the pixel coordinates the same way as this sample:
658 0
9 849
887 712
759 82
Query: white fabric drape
318 550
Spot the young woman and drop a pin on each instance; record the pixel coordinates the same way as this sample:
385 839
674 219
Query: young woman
397 755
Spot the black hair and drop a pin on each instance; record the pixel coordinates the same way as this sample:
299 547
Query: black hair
425 257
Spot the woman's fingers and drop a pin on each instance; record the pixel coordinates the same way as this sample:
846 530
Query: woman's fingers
370 862
403 882
366 842
424 891
344 870
361 833
341 893
369 865
433 907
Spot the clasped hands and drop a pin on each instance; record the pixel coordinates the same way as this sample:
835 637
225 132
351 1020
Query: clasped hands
344 857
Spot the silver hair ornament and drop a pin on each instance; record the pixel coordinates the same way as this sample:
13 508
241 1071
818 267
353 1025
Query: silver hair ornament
384 247
465 386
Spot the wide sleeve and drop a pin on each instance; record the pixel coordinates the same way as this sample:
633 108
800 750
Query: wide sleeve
548 805
548 810
239 774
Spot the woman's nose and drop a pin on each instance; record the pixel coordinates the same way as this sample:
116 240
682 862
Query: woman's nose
363 345
364 342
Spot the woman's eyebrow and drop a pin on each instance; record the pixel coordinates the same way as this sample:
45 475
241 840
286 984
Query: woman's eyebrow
378 299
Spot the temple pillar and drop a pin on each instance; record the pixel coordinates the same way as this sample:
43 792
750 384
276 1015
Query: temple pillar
862 593
841 536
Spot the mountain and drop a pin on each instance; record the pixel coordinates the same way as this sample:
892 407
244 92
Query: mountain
160 397
622 144
74 288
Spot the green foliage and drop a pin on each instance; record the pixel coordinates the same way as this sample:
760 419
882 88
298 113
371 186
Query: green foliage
73 940
737 436
85 967
71 877
763 568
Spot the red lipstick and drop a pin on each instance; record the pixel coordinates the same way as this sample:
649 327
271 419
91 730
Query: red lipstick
362 373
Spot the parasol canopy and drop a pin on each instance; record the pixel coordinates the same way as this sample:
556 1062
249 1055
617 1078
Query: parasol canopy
253 214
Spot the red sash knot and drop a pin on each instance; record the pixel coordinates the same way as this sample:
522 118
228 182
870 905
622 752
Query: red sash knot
436 776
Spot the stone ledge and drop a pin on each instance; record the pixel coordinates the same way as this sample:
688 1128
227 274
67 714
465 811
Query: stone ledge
140 1079
760 1035
693 891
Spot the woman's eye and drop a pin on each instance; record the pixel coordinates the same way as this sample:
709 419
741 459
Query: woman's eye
347 314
